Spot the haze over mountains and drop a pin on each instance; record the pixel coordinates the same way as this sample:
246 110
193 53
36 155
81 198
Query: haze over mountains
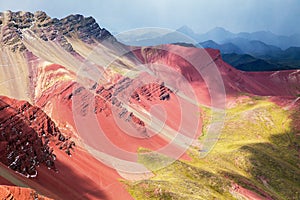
221 35
218 35
257 51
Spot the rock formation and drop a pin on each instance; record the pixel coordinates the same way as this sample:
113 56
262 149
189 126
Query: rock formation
62 77
12 25
27 135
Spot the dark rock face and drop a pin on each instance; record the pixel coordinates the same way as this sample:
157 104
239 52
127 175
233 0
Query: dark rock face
87 28
26 134
12 24
152 91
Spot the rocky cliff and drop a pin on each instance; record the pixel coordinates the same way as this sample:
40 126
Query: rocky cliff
13 24
27 137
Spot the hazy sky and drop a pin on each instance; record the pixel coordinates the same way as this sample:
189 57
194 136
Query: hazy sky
278 16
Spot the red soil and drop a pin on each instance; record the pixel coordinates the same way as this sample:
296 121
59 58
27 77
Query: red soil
102 108
200 66
4 181
81 177
18 193
77 177
119 109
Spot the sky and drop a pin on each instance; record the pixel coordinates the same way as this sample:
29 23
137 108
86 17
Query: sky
278 16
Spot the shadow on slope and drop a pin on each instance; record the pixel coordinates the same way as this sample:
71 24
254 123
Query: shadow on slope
272 168
258 151
66 184
270 165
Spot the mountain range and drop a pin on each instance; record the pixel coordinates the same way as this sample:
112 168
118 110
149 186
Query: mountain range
218 34
221 35
84 116
269 52
263 57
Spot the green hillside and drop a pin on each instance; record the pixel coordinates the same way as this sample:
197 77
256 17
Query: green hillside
258 149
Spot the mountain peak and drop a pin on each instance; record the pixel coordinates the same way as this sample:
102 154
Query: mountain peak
219 30
217 34
185 29
14 24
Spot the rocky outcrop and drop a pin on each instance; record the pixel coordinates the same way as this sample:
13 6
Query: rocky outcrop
18 193
112 97
86 28
12 25
152 91
27 135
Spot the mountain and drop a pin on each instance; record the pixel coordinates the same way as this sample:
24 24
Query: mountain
137 36
83 116
292 53
281 60
218 34
268 37
221 35
255 47
246 62
183 34
254 55
224 48
168 38
189 32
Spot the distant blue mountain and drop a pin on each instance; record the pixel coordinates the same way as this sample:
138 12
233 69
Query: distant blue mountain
189 32
217 34
222 36
244 46
272 39
258 51
224 48
246 62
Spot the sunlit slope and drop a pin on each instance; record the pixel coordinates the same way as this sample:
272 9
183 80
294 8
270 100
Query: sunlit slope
256 157
14 76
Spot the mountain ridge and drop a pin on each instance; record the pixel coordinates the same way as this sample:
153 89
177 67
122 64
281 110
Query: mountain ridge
221 36
125 106
13 23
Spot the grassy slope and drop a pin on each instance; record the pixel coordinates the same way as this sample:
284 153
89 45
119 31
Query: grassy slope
257 149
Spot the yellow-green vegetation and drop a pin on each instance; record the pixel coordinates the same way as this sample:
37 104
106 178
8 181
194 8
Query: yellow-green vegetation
257 149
